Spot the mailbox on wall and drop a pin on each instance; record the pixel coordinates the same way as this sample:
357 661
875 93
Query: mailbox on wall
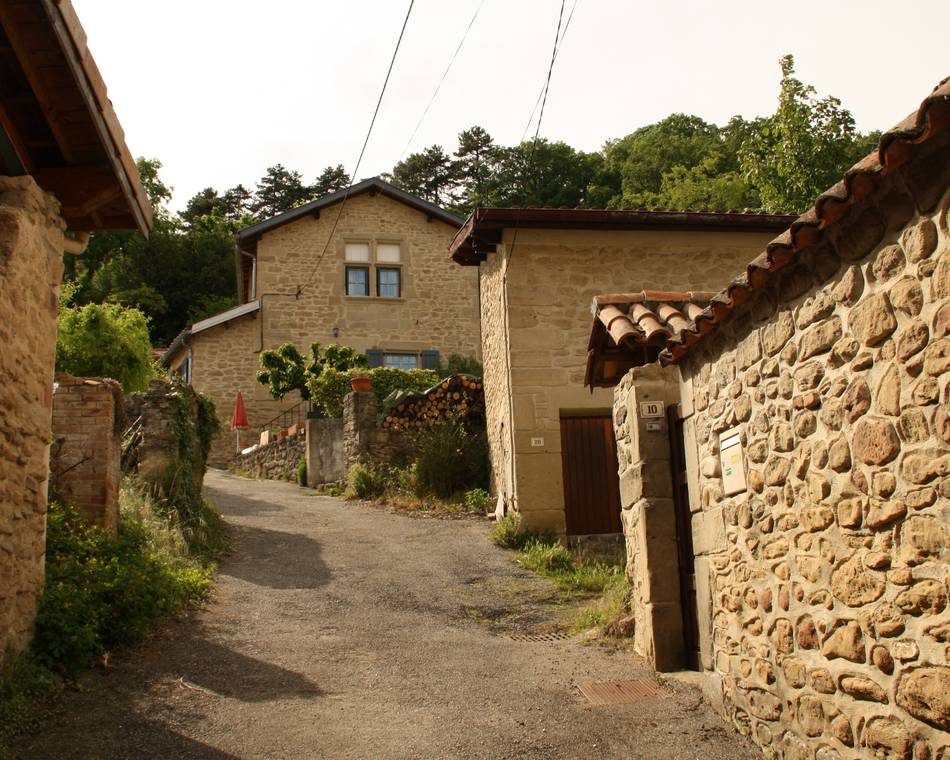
731 462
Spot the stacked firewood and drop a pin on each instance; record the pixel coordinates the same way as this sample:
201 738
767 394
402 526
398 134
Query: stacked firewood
459 396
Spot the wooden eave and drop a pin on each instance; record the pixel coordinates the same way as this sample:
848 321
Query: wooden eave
57 121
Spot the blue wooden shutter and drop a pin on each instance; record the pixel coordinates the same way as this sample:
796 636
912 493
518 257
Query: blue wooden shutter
430 360
375 356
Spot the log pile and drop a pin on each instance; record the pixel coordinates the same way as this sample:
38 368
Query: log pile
459 396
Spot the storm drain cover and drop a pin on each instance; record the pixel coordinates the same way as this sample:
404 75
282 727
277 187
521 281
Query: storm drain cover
621 692
556 636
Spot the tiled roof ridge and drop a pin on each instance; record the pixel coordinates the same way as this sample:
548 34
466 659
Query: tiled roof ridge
859 182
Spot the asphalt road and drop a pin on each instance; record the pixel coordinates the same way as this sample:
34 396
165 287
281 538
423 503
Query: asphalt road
341 630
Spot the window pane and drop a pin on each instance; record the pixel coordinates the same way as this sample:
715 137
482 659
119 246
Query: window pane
357 281
357 251
387 253
402 361
387 282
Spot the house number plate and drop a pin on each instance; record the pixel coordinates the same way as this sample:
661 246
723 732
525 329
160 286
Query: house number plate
651 409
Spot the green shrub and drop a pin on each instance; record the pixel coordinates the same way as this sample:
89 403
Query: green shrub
23 683
302 472
103 591
363 482
450 457
507 533
329 388
104 340
462 365
476 500
546 557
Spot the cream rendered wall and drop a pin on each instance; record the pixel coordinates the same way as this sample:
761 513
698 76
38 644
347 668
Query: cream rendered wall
552 277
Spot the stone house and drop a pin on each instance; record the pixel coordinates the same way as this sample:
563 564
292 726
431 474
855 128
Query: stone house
380 286
785 465
64 171
551 441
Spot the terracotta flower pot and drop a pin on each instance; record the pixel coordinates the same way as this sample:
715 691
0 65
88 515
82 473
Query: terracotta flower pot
361 384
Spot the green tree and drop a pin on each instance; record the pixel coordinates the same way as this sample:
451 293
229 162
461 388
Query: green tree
279 190
104 340
331 179
431 175
642 157
543 173
802 149
285 369
476 162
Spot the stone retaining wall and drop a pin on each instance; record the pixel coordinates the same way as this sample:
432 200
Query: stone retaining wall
277 460
88 422
31 268
365 441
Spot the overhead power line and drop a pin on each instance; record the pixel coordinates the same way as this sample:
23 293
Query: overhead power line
543 94
444 75
359 160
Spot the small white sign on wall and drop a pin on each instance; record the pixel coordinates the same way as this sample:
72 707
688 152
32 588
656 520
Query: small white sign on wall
731 462
650 409
537 441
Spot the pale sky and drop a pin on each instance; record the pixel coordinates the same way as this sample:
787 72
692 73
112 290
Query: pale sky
219 90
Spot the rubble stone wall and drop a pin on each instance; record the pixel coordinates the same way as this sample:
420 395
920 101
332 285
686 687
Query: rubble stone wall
828 630
88 422
364 440
277 460
31 268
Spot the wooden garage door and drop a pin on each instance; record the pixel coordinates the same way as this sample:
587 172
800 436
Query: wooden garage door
591 485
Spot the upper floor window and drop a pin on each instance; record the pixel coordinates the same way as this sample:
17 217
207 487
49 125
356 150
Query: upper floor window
376 263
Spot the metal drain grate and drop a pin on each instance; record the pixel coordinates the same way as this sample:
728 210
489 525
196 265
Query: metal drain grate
556 636
621 692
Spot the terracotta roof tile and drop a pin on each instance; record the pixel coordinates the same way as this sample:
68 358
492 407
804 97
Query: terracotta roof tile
608 360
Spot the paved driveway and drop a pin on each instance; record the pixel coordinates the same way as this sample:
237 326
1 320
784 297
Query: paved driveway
344 631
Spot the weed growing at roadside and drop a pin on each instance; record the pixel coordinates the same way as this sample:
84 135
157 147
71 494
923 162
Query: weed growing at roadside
22 684
576 574
476 500
302 472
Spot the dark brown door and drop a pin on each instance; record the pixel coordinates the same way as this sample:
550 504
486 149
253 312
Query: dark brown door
684 539
591 485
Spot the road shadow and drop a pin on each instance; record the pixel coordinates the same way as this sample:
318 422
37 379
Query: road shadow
195 663
138 737
275 559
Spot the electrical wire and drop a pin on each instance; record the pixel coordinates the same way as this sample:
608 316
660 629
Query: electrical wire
442 80
543 93
316 266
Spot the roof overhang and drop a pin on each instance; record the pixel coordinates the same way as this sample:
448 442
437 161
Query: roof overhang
483 230
57 123
181 340
915 155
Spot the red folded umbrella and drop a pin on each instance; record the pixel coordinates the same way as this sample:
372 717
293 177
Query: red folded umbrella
239 415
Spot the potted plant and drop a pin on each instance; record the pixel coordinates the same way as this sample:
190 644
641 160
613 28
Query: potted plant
361 382
281 434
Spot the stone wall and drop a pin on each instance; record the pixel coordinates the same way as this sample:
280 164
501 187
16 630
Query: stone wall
277 460
551 277
364 440
31 267
438 310
88 422
826 631
167 453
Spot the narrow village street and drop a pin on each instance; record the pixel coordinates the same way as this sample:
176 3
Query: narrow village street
345 631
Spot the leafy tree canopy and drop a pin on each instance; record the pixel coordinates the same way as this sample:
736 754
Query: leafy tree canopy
104 340
285 369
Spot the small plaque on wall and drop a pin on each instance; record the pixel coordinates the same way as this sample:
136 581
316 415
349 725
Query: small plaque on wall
732 463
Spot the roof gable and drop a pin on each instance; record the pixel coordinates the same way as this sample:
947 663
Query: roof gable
373 185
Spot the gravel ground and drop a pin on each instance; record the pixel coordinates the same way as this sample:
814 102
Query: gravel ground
344 631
